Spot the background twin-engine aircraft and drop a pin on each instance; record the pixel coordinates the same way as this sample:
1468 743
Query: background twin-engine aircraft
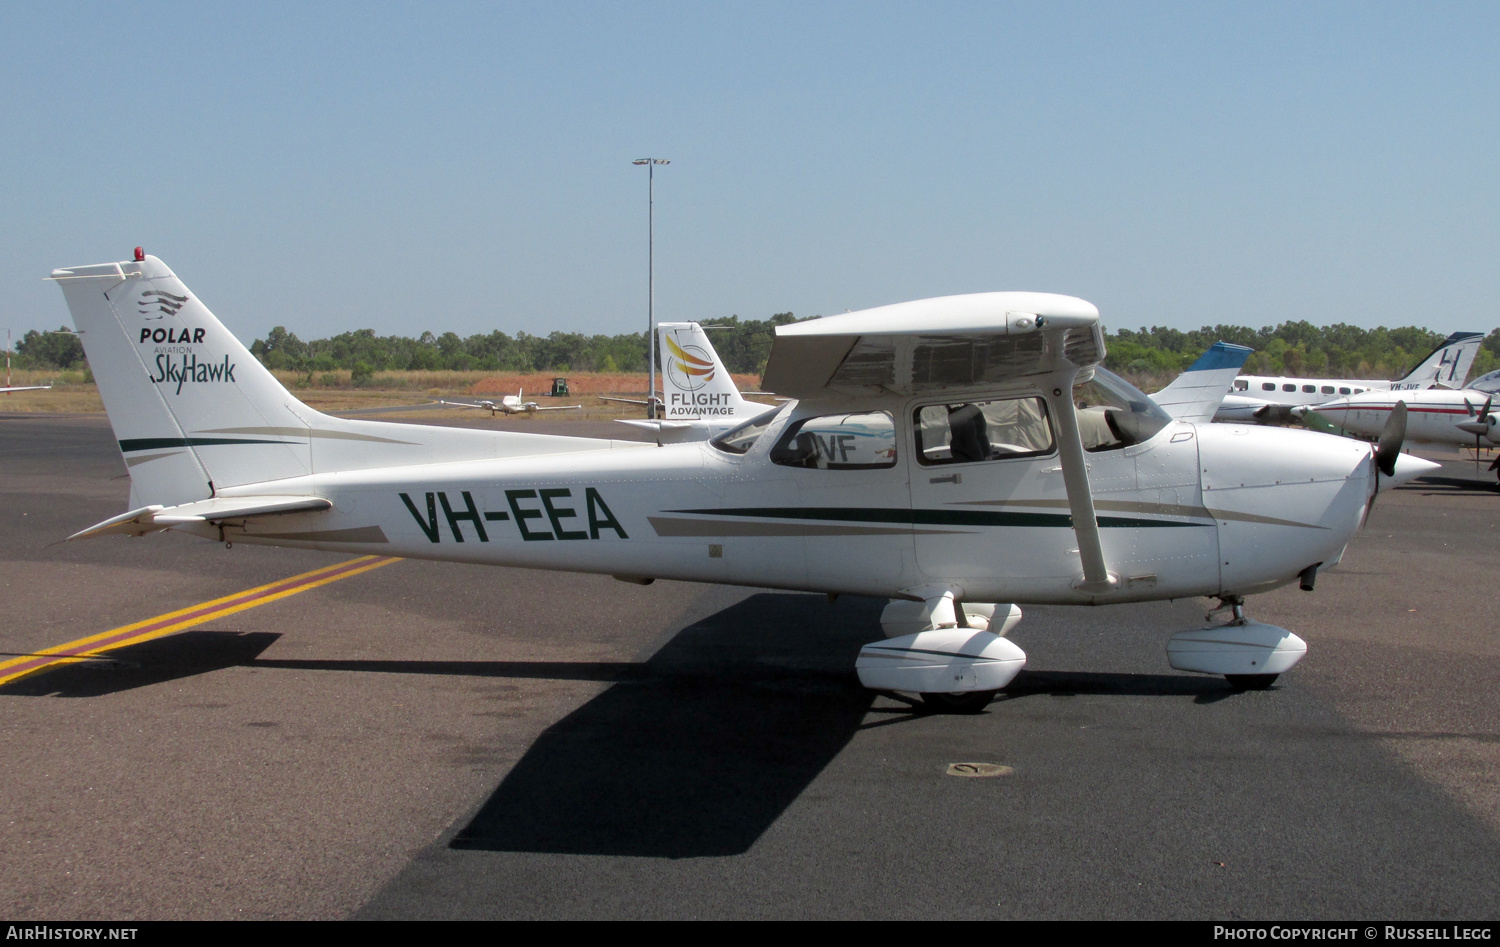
1266 398
961 456
513 404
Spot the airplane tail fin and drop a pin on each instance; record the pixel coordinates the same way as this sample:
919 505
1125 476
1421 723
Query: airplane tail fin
695 383
1448 365
196 413
186 399
1196 394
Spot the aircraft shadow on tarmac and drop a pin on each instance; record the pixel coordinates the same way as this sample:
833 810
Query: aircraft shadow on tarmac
172 658
694 753
1446 485
733 718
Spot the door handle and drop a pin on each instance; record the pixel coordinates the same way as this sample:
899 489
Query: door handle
951 478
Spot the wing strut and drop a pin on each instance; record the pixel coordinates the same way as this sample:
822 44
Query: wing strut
1096 576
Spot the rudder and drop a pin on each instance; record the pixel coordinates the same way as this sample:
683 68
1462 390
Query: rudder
192 409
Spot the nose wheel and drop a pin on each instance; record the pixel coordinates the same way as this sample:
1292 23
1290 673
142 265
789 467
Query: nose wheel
1250 655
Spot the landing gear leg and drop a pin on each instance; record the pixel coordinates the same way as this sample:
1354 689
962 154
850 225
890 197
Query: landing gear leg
1235 605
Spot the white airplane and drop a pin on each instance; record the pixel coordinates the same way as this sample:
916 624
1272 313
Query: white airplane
513 404
701 399
934 458
1436 416
1196 394
1262 397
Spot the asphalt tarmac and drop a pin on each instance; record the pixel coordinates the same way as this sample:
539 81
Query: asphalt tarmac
444 741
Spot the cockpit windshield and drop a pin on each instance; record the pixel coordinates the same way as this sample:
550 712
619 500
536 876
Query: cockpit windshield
738 440
1113 413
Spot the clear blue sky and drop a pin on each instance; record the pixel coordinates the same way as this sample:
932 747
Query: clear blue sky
466 167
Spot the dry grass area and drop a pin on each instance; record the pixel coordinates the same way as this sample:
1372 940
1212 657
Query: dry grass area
334 392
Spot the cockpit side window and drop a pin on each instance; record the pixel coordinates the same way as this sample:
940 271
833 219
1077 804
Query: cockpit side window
987 430
839 442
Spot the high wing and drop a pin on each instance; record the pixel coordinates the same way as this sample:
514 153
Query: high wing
951 342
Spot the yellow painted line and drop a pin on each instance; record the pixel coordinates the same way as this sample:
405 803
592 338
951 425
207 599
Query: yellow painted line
137 632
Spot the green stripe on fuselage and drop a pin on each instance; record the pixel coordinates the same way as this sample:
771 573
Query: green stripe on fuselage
844 514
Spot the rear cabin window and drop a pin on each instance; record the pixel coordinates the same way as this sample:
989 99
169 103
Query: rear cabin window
839 442
1241 384
1310 389
1268 386
986 430
1288 387
1343 390
1327 389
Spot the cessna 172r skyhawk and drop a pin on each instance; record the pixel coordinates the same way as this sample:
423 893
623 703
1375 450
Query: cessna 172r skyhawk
934 456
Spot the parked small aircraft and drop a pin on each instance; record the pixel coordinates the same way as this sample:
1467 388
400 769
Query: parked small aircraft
513 404
1265 398
935 457
700 396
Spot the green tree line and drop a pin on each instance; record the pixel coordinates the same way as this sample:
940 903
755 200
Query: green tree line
1292 348
742 344
1156 354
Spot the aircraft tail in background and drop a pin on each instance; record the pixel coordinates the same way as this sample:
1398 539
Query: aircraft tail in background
1197 393
1448 365
695 383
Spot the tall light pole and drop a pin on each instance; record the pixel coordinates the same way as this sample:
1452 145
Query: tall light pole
651 164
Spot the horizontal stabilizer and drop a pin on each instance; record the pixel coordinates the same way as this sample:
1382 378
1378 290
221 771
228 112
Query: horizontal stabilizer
152 519
657 426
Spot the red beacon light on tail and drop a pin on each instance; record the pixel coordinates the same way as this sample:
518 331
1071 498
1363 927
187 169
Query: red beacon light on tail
140 255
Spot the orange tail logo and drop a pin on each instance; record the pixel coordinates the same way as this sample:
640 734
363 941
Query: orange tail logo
690 365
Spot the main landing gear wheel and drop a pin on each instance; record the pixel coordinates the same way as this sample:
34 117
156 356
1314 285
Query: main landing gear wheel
964 702
1251 682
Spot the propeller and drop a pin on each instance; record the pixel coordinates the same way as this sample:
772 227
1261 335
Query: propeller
1387 449
1478 427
